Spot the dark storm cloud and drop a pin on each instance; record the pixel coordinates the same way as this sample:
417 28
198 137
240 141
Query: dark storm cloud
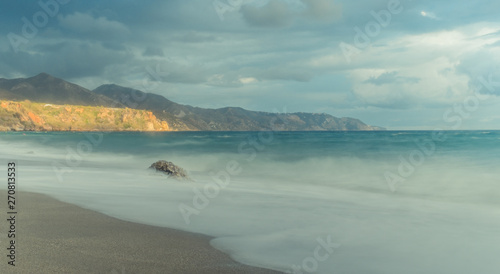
65 59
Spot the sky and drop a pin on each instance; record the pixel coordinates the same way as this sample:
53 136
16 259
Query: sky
408 64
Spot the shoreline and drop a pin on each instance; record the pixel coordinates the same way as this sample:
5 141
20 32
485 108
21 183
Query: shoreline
58 237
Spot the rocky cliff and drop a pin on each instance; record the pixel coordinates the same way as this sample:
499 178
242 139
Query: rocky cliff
29 116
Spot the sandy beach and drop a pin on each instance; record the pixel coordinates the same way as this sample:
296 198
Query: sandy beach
57 237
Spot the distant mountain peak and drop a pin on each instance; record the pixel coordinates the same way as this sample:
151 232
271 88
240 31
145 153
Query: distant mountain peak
110 85
43 76
115 86
45 88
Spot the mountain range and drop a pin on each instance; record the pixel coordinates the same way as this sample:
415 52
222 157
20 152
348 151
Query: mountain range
44 88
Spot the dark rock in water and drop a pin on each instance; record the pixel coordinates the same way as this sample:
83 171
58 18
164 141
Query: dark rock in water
170 169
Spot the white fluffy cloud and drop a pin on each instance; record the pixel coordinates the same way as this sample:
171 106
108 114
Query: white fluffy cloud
422 70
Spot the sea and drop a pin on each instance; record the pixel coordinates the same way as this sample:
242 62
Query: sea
297 202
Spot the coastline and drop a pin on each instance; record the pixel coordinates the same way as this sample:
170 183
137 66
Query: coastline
58 237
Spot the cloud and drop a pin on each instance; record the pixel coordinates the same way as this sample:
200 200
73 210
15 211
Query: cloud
83 23
166 70
285 73
428 70
224 80
194 37
153 51
274 14
322 10
248 80
496 44
390 78
68 59
429 15
279 13
483 70
433 83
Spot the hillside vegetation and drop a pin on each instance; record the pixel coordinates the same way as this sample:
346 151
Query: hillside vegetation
29 116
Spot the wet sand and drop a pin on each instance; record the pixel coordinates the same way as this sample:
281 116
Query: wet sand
57 237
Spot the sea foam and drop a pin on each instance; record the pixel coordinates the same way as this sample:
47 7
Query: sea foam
282 204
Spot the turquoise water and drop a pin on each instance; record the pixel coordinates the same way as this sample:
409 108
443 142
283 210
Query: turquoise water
282 144
387 202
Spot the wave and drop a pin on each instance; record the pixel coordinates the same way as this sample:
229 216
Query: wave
287 197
